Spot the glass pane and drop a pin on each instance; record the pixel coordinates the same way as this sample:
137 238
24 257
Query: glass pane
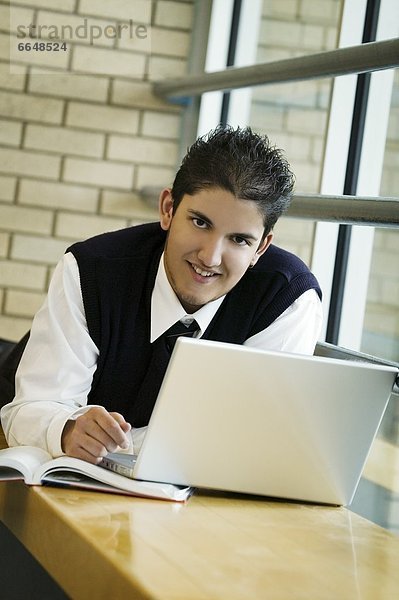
295 115
381 325
377 496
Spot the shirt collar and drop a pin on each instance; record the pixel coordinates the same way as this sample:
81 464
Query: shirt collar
166 308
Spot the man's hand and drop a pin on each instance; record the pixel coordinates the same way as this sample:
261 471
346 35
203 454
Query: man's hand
95 433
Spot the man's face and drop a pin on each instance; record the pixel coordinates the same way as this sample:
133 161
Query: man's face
212 240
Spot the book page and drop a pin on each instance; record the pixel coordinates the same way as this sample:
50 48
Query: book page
24 459
57 469
144 489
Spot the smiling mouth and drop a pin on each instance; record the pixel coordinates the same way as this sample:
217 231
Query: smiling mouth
202 272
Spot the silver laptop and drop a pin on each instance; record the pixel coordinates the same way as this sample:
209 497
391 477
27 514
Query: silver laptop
238 419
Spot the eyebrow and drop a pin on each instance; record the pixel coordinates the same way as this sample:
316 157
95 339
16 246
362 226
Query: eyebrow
200 215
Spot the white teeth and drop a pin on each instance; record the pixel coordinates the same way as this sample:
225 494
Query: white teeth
201 272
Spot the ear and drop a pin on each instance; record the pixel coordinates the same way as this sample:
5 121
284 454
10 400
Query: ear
263 246
165 208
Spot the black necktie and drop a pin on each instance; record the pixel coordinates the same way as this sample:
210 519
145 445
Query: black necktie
177 330
162 348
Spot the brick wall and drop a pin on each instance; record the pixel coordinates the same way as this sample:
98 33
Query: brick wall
80 133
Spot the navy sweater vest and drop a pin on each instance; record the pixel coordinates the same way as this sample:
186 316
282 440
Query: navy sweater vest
117 274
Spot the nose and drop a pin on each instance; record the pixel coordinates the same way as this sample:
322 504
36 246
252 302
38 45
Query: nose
211 252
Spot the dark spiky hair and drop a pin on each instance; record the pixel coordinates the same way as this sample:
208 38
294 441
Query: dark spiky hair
241 162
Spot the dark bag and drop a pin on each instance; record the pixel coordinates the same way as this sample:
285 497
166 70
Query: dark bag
9 361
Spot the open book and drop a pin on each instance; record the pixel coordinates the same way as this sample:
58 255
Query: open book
36 467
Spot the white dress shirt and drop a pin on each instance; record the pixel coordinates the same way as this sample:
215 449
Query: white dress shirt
56 371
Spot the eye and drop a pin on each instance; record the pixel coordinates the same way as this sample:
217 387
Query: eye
240 241
200 223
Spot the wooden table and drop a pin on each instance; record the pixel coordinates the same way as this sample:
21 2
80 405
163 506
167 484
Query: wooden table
215 547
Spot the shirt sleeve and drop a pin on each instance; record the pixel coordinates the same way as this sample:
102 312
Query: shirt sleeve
56 370
296 330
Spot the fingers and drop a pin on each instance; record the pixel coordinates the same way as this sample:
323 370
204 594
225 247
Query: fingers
121 421
95 433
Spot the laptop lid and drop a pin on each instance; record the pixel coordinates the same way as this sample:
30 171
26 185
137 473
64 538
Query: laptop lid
234 418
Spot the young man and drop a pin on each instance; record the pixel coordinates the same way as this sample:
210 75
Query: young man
91 371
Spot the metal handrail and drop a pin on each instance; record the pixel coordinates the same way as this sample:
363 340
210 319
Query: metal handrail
373 56
352 210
